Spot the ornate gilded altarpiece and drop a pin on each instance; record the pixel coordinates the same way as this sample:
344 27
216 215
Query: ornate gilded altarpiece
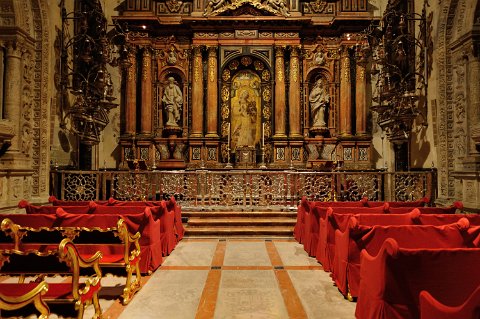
279 78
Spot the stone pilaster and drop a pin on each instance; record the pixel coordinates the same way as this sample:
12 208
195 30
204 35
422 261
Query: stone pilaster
212 93
197 93
280 92
294 93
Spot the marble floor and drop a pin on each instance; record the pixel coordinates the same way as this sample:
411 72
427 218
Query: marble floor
234 279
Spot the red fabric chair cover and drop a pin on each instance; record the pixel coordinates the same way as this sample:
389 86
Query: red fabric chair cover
167 228
312 225
431 308
58 202
299 229
149 228
118 210
371 238
326 242
418 203
144 223
345 268
33 209
424 210
443 219
391 280
179 230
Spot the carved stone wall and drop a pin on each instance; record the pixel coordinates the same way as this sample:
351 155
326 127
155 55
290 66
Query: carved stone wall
25 160
457 103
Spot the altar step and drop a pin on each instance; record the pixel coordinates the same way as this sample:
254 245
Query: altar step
239 224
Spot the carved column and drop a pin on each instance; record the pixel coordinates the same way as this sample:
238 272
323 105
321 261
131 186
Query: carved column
294 93
13 90
2 72
345 113
146 123
279 92
212 93
197 93
361 100
131 94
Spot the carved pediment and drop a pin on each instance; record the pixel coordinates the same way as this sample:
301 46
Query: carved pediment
247 7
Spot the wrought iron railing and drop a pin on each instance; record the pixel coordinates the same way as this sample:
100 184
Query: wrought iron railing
243 189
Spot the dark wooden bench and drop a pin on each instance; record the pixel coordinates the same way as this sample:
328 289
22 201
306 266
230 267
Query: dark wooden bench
65 260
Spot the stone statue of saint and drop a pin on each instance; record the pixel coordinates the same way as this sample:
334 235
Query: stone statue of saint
172 100
319 99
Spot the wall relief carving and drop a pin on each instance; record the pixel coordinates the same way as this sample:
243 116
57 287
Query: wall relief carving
274 7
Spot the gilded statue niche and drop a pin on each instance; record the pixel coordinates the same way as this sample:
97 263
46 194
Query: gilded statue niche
246 104
246 115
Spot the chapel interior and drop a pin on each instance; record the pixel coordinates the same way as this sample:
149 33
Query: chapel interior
239 106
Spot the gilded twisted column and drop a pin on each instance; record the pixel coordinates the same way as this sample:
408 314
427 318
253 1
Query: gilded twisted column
131 94
146 122
12 104
280 92
294 93
197 93
212 93
345 114
361 100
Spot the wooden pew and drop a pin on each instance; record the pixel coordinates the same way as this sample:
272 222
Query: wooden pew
109 235
65 260
14 296
358 237
392 278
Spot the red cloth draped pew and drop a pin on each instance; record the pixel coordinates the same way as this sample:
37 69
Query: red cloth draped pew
110 236
443 219
341 267
168 230
305 208
143 222
58 202
418 203
429 210
431 308
169 235
359 237
110 202
179 230
33 209
392 278
325 249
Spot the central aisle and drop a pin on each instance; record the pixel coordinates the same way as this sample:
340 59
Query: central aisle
239 278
